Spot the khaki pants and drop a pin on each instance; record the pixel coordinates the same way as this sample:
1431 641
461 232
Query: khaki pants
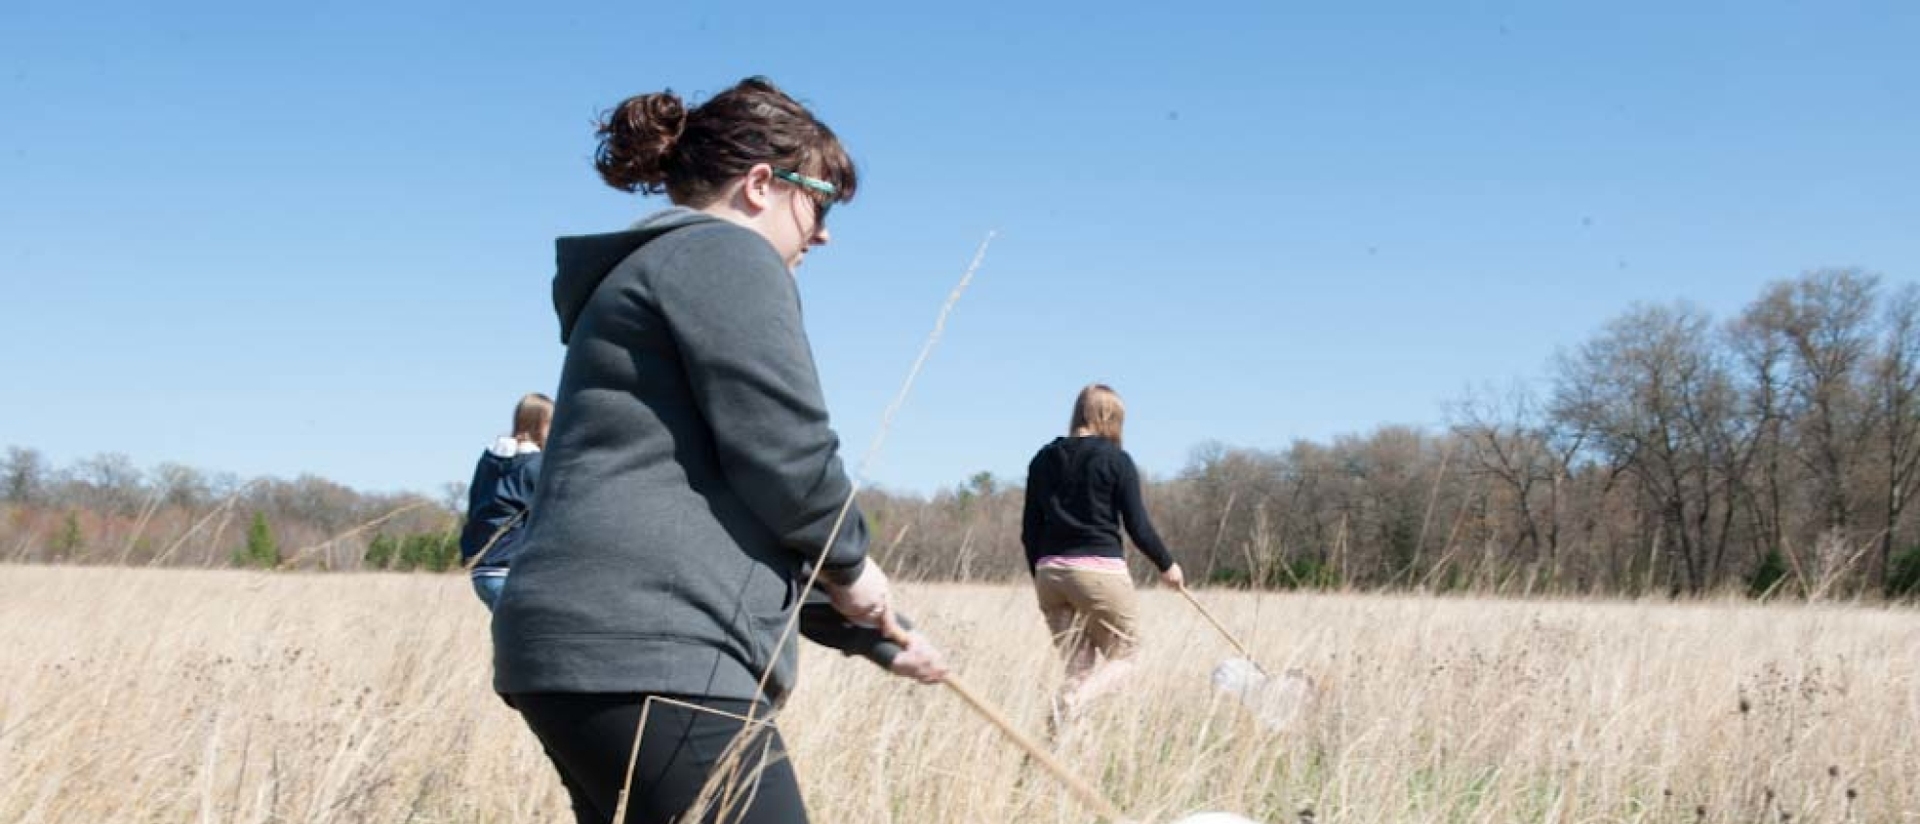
1085 608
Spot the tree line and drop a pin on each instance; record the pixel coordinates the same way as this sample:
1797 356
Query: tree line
1773 452
107 510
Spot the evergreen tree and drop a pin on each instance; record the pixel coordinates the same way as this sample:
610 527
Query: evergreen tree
261 549
69 542
381 551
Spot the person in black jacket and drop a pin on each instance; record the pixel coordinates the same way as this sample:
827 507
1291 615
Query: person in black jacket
498 497
1081 489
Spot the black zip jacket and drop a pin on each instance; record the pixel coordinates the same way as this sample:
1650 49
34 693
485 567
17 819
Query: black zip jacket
1080 491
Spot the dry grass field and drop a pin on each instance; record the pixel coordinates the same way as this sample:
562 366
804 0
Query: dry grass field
174 696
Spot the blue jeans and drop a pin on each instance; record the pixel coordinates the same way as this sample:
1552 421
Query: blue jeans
488 587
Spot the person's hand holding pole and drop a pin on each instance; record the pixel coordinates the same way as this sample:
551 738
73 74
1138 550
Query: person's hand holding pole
865 601
868 602
918 659
1173 577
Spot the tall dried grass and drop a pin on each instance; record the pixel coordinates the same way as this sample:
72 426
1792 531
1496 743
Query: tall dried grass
202 696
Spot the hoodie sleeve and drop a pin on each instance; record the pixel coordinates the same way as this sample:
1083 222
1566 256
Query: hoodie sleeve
1033 519
828 628
1133 511
735 315
517 487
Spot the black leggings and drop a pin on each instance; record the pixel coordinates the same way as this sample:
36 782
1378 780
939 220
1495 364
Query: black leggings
589 737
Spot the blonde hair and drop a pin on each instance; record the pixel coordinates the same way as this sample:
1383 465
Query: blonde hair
1098 411
531 417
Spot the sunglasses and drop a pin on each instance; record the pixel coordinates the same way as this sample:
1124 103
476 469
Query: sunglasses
820 204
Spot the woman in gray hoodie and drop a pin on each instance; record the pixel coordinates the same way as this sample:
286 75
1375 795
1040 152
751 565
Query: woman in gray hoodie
691 480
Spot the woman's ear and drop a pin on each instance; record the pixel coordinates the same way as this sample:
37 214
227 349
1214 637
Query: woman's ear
757 187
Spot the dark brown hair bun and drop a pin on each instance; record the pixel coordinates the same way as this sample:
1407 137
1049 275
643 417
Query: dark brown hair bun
652 143
636 142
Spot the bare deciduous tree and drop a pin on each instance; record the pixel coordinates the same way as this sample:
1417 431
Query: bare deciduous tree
1897 392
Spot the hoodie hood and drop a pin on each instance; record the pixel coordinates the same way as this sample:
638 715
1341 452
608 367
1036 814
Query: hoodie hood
584 261
507 446
1069 455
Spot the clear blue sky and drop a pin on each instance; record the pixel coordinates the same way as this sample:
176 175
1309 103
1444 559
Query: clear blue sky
273 238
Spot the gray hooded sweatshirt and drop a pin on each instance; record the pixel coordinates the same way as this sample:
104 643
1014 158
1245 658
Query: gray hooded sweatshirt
689 475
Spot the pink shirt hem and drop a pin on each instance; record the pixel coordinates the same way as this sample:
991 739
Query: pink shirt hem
1094 563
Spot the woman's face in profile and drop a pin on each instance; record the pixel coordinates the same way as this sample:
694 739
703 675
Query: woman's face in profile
805 222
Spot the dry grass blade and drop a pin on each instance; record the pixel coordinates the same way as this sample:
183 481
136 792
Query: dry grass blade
360 697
